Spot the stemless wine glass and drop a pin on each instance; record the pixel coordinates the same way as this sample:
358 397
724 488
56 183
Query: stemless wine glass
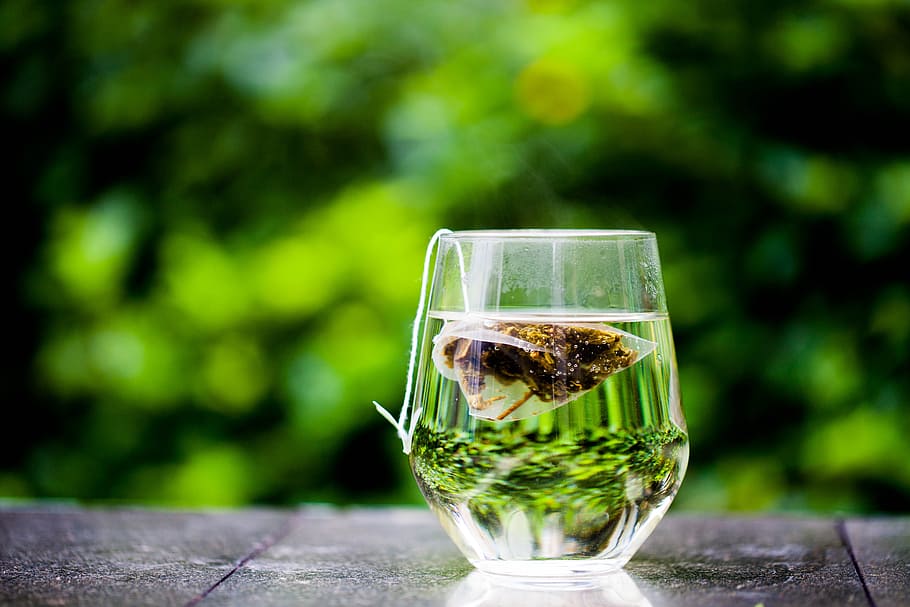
547 432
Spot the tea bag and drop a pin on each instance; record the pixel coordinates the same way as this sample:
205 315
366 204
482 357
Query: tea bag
512 370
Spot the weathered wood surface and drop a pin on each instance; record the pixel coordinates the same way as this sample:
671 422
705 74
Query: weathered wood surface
400 556
882 551
356 557
731 561
66 556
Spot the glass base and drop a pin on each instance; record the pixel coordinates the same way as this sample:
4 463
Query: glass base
481 589
550 573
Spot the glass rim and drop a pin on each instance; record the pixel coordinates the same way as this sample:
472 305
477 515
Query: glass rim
546 233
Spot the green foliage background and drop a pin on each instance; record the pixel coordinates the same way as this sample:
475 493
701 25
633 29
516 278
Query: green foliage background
221 209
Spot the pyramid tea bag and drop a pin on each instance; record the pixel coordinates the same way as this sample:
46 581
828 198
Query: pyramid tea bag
512 370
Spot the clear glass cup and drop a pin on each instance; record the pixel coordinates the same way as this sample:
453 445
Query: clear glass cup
548 434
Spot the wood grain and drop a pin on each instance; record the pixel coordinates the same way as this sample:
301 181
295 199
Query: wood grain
400 556
69 556
882 551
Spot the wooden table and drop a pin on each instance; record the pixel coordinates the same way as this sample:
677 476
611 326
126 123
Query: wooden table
58 555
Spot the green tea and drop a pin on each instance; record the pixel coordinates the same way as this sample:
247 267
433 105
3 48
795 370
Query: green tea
573 482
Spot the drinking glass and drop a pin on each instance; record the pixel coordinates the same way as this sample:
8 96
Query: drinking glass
547 435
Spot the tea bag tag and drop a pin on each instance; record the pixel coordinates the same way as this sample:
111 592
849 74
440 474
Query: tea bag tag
403 426
513 370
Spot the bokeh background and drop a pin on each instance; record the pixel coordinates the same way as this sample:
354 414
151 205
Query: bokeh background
217 212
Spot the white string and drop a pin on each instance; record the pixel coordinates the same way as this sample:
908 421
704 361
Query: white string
464 278
407 435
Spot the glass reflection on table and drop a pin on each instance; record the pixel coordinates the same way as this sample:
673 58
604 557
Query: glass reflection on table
481 590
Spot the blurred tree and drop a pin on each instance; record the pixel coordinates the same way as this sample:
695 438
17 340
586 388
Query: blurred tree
223 208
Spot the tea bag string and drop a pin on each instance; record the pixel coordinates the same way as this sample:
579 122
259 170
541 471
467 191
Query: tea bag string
399 424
